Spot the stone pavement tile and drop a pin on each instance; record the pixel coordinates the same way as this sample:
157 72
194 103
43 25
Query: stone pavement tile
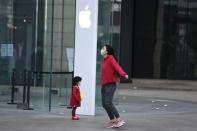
135 122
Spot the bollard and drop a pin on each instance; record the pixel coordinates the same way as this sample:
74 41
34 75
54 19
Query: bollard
13 87
24 85
28 91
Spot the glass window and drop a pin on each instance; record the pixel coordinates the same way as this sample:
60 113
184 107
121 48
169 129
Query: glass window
35 36
109 15
178 52
164 39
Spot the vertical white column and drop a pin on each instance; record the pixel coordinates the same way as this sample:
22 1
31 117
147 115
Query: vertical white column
85 52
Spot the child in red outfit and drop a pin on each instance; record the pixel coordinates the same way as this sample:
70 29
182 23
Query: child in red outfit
75 100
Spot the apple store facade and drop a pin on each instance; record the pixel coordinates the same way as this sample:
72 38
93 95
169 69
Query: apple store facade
43 43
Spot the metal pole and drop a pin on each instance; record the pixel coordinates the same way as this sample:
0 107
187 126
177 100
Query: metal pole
24 85
36 42
28 91
62 47
133 41
13 87
51 64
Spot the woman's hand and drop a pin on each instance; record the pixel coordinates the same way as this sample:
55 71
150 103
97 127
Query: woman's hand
127 77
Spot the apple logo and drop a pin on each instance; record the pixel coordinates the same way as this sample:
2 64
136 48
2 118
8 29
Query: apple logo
84 18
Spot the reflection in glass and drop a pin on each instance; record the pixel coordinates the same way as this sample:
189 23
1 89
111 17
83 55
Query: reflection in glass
108 33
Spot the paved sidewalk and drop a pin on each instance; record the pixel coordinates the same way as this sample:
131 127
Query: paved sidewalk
135 122
143 110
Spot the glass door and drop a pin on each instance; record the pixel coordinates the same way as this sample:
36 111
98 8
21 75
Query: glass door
59 37
7 59
109 21
37 36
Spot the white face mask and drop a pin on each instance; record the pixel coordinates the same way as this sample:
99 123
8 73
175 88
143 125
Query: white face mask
79 83
103 52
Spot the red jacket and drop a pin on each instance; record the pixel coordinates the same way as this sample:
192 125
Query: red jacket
110 70
75 97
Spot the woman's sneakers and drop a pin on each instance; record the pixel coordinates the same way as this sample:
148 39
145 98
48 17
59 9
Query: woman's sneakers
75 118
110 124
118 124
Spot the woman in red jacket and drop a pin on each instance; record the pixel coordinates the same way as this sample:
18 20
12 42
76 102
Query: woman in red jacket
75 100
109 76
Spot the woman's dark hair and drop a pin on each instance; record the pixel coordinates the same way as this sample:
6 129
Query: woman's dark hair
76 80
110 51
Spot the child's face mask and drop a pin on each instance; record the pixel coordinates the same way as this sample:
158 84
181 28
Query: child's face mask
79 83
